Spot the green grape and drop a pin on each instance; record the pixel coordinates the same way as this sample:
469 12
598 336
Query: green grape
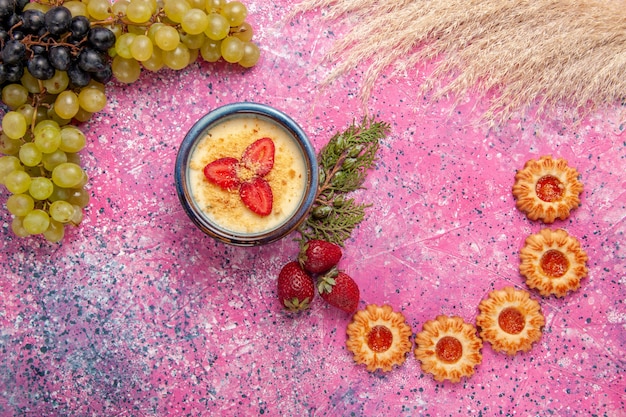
44 124
99 9
61 211
52 115
37 6
14 95
79 197
14 124
77 8
194 22
20 204
141 48
30 154
17 182
31 83
122 45
92 99
84 180
218 27
193 55
73 158
166 38
232 49
55 231
67 175
139 11
119 7
154 28
60 194
52 159
72 139
235 12
155 62
28 111
66 104
211 51
8 164
176 9
251 55
82 115
9 146
193 41
47 139
126 70
41 114
214 6
18 228
78 216
40 188
245 32
35 222
96 85
58 83
197 4
178 58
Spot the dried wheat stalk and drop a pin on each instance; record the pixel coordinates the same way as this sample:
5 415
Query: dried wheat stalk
539 53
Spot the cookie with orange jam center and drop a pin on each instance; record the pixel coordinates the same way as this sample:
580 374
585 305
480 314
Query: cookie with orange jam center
379 337
448 348
553 262
547 189
510 320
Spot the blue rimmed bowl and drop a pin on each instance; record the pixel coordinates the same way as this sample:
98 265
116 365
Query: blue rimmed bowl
244 122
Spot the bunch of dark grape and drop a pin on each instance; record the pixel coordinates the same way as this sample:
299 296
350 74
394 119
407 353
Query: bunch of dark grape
55 60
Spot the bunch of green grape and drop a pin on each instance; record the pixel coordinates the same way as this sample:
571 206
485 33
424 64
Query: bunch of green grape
173 35
55 60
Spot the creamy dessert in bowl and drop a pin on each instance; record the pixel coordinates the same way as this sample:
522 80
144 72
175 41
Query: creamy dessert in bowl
246 174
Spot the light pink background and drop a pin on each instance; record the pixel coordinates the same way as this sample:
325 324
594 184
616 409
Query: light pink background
137 313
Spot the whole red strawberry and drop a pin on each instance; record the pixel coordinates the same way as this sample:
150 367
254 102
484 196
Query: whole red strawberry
339 290
317 256
295 287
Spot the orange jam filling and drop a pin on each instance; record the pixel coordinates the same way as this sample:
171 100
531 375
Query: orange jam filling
449 349
379 339
549 189
554 263
511 320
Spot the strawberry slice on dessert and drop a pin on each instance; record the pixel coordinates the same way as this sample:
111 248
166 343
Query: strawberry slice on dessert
258 157
223 173
257 195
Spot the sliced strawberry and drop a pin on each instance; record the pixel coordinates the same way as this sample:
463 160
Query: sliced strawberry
257 195
317 256
223 172
295 287
258 157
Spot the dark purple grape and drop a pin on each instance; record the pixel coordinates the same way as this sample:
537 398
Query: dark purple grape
77 76
103 76
7 7
91 60
79 27
14 73
11 20
101 38
4 36
58 19
60 57
13 52
37 49
32 21
40 68
20 4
